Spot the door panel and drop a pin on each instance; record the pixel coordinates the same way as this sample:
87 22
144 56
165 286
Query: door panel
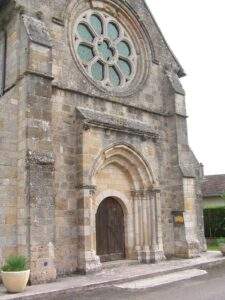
110 237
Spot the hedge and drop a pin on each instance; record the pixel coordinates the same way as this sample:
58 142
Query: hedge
214 221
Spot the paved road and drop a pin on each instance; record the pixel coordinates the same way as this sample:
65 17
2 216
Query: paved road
208 287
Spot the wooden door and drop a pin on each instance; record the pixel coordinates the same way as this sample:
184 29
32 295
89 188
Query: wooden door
110 236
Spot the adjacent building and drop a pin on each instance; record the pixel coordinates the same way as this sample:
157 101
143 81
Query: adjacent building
213 188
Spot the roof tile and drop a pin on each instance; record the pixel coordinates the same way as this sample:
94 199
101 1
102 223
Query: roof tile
213 185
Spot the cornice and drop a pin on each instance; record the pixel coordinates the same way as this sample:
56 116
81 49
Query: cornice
92 118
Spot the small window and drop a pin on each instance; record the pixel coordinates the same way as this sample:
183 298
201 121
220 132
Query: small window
125 67
123 49
96 23
85 52
85 33
98 71
2 61
113 31
114 76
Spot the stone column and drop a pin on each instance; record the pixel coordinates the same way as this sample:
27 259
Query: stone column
148 228
145 253
137 229
156 250
88 261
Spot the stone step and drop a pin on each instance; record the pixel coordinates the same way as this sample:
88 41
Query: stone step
162 280
114 276
118 263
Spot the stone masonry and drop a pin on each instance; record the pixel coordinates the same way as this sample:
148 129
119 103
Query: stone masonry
67 142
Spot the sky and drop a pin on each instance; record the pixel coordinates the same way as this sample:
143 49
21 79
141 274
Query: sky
195 31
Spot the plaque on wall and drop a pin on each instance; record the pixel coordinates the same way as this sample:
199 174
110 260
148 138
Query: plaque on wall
178 217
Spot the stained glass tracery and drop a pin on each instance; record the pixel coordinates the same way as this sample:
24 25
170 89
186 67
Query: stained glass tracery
104 49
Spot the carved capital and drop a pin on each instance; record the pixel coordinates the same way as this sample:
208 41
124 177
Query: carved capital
91 188
140 193
155 191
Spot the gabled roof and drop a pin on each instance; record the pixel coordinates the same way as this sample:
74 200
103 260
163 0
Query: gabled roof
213 185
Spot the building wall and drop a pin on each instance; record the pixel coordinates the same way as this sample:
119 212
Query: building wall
8 145
50 144
8 173
209 202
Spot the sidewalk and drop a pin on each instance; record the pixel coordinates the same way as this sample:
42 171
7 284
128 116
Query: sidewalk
113 273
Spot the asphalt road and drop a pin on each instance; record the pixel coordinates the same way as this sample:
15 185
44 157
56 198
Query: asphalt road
208 287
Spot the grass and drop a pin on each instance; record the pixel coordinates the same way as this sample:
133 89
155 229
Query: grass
15 264
213 247
214 244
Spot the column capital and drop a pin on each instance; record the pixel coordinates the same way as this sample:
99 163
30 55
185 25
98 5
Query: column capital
90 188
156 188
139 193
146 192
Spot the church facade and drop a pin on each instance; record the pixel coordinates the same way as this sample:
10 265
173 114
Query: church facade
95 163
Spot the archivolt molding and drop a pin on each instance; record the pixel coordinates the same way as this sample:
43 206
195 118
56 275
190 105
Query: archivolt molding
128 159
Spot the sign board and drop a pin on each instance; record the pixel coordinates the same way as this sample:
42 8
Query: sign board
178 217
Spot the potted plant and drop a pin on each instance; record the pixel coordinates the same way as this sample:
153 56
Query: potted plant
15 274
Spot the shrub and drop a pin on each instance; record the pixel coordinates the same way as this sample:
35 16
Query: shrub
15 264
214 221
220 241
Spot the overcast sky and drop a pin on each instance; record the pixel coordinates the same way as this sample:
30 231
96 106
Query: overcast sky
195 30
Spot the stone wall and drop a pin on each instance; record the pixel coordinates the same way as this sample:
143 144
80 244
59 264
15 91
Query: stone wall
56 126
8 174
9 104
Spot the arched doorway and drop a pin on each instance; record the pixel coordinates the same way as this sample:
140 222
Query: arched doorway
110 236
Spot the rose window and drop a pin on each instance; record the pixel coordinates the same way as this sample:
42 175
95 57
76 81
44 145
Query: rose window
104 49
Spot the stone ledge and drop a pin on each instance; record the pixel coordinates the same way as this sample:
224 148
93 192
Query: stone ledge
98 119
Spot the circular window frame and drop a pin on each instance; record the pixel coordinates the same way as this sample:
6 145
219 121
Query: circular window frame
127 19
103 37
